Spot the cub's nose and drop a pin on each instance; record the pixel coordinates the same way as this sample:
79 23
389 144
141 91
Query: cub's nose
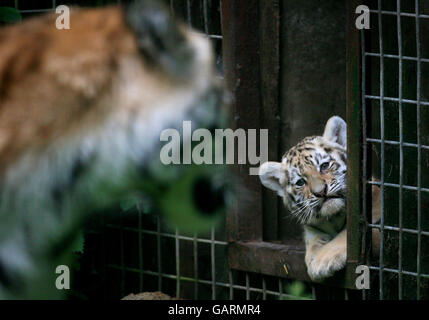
317 186
321 192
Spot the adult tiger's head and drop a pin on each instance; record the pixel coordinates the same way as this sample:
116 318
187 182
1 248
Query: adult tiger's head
311 178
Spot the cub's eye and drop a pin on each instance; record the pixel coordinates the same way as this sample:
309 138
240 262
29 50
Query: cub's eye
324 166
300 182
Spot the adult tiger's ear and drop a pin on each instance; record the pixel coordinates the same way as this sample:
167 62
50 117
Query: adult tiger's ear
336 131
160 38
272 176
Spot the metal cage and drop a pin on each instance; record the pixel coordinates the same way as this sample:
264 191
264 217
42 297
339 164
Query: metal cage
394 57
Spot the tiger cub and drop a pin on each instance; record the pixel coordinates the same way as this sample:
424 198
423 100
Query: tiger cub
311 179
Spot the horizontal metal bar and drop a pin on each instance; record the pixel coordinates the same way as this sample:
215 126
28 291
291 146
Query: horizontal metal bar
402 14
394 56
409 273
423 103
207 282
394 185
37 10
413 231
405 144
215 36
166 235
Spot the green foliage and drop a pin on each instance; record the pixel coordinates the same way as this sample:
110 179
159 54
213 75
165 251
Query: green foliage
9 15
173 192
179 205
297 290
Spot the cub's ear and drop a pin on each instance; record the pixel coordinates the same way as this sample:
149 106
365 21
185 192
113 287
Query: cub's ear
272 176
336 131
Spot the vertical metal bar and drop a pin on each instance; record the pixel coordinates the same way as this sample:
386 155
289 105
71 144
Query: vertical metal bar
264 289
103 256
195 266
177 241
16 4
280 288
364 150
221 15
172 7
121 244
140 246
189 12
158 248
213 262
401 150
231 285
206 19
247 287
54 4
381 262
419 149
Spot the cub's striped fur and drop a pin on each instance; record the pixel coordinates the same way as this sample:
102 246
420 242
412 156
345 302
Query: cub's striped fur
311 179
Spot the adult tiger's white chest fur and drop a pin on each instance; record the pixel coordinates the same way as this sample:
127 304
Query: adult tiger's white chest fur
311 179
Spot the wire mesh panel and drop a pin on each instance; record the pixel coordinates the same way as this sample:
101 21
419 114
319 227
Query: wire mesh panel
395 113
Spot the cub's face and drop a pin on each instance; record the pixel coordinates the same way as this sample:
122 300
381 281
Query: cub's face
312 175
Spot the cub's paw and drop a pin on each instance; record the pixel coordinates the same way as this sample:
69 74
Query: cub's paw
326 263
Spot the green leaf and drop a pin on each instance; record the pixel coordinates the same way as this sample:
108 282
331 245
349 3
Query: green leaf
178 204
9 15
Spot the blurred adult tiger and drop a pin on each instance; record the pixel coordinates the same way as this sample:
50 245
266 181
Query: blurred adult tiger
81 112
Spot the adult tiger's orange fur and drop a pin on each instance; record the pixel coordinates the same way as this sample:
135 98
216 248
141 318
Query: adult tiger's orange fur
81 111
42 68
